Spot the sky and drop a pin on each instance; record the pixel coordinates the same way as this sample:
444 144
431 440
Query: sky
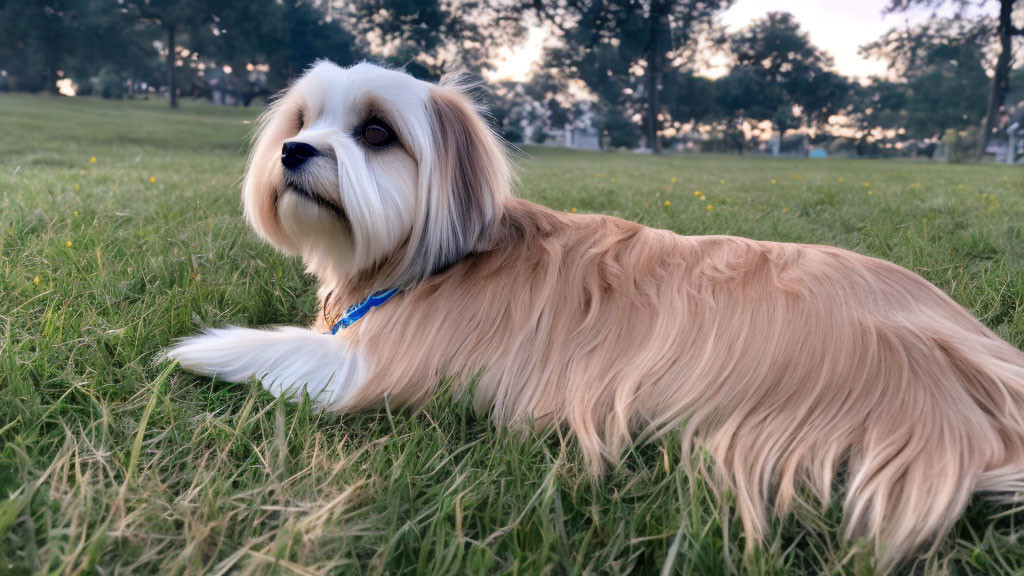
839 27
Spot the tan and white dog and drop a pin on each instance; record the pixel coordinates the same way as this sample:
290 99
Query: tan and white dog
786 362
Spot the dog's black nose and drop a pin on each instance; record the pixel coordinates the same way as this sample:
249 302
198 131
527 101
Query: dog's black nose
295 154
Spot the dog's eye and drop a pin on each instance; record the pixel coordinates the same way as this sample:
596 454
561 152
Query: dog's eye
377 134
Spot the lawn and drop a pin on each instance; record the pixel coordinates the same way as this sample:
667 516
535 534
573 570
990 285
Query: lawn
121 229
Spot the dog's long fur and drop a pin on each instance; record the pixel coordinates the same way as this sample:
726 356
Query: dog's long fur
786 362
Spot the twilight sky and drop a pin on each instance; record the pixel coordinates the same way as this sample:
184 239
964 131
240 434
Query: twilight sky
837 26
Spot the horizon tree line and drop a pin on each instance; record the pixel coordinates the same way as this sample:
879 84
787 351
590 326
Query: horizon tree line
634 58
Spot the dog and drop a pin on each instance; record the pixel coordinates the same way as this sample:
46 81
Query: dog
791 365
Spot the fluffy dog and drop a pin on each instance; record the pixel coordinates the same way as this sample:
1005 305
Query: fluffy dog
785 362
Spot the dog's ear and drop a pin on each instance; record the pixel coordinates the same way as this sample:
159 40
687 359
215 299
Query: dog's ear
463 184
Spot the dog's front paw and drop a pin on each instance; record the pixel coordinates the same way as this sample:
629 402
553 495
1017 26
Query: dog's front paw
214 353
284 360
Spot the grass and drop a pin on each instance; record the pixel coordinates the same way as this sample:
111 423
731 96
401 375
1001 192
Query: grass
113 463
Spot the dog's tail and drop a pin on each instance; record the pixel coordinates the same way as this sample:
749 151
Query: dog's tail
954 426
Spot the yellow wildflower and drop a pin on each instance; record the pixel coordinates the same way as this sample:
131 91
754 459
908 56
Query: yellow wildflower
785 210
573 210
68 244
76 212
865 184
773 180
77 187
92 160
36 280
723 181
869 193
696 192
667 203
709 208
673 180
152 179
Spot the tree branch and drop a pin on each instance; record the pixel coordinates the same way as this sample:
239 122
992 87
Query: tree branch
547 16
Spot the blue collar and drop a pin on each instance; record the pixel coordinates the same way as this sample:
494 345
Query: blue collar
357 311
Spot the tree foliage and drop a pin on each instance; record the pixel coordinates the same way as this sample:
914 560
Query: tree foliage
638 59
1002 28
182 44
431 37
943 84
623 49
779 73
39 39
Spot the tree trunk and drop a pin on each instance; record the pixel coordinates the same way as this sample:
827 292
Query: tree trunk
653 124
655 56
172 87
50 77
1000 86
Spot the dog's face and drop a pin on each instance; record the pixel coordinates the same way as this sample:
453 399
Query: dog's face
368 171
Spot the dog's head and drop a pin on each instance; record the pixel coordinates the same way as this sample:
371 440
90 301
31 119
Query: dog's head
366 171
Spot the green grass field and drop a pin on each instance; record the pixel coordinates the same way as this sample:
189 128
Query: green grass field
111 463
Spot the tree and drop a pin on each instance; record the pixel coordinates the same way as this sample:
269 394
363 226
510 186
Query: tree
36 40
780 76
622 48
942 79
745 93
40 42
431 37
548 90
175 17
1000 83
287 36
885 104
689 97
309 34
114 51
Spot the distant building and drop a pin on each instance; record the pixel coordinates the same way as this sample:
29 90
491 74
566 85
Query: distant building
585 138
578 135
1007 150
